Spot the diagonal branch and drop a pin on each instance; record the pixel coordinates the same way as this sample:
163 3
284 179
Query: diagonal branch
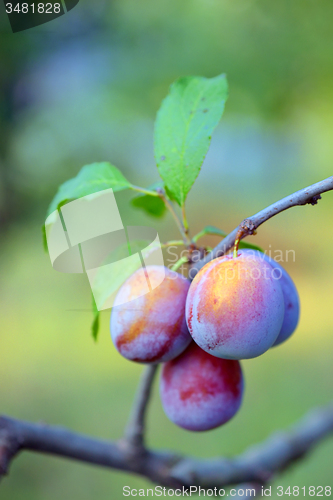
309 195
257 465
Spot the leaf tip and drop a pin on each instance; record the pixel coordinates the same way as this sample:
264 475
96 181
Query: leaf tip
95 327
44 238
95 323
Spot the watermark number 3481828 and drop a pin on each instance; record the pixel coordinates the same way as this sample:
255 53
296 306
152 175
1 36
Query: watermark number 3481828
34 7
24 14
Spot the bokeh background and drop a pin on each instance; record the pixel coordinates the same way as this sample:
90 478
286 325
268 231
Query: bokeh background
85 88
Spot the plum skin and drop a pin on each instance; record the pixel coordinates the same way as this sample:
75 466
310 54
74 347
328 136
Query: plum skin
290 295
235 308
151 328
200 392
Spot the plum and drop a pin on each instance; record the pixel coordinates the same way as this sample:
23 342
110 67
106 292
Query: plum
234 307
151 327
199 391
290 295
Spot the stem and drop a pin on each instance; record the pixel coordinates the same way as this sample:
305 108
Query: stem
172 243
170 207
134 432
199 235
182 226
179 263
236 245
235 252
179 223
185 223
144 191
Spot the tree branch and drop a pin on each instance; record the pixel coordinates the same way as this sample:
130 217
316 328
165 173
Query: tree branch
256 466
309 195
134 432
259 463
20 435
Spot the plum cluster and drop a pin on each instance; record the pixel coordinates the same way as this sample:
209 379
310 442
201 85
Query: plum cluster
235 308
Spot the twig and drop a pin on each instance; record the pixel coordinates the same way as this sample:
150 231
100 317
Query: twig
185 223
257 465
171 209
148 192
309 195
134 432
179 263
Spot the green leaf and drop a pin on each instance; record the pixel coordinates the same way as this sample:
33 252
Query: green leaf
244 244
214 230
91 179
183 129
95 324
152 205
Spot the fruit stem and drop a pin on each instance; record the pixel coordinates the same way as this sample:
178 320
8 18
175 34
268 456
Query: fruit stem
236 245
235 253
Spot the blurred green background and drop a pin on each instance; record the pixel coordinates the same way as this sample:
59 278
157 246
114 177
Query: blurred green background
86 88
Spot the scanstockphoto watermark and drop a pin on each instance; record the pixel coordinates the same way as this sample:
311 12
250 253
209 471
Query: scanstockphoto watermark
162 491
24 15
242 492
